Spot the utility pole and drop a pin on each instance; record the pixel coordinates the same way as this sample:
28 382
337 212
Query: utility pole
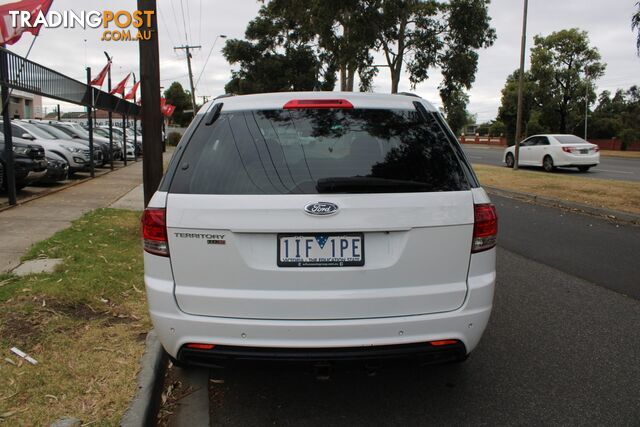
150 93
586 103
520 86
109 58
193 89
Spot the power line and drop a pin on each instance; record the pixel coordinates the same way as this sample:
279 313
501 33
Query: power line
184 23
175 19
200 23
164 23
204 67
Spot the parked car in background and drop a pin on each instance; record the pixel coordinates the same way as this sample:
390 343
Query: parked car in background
76 154
319 226
98 153
79 134
557 150
57 169
30 164
117 136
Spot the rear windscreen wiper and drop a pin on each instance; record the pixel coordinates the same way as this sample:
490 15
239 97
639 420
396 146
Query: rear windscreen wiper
364 184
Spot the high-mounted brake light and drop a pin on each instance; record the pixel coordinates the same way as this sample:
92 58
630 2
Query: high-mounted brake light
154 231
485 227
317 103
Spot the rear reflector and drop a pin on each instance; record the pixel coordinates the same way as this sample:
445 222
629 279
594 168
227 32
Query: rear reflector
442 343
317 103
485 227
154 231
200 346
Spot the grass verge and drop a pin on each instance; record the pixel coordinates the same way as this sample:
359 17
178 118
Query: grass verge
618 153
602 193
85 324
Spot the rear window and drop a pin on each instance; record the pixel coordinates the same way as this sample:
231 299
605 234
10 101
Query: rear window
570 139
312 151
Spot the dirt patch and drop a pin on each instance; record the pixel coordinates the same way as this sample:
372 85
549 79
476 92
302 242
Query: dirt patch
25 320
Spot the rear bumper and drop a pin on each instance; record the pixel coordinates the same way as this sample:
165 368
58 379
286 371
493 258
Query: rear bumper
176 328
577 160
226 355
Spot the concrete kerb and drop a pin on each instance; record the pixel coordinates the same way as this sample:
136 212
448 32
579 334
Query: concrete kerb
143 409
609 214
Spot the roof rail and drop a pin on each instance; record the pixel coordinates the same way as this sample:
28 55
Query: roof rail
409 94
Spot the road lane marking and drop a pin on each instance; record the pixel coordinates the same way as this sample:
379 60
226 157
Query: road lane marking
609 170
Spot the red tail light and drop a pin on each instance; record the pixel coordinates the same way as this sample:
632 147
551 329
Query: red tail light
200 346
485 227
567 149
441 343
317 103
154 231
596 149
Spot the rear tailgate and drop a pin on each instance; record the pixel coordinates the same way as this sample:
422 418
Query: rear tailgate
224 252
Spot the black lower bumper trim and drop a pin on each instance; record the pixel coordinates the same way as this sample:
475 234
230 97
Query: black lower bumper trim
224 355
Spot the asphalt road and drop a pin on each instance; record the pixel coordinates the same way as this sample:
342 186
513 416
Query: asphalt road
562 346
609 167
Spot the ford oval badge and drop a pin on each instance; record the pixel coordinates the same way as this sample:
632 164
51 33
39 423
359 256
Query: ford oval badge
321 208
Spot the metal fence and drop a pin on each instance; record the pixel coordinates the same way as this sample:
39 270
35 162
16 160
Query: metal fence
28 76
23 74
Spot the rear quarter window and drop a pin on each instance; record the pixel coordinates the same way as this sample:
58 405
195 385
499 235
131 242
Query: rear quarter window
311 151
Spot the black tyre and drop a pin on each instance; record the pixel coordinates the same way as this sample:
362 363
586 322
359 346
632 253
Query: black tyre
510 160
584 168
547 164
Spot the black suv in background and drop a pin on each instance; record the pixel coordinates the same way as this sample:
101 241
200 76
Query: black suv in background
29 160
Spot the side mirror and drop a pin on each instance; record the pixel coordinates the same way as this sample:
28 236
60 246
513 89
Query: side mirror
27 136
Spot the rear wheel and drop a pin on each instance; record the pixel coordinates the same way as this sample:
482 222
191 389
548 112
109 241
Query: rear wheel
510 160
584 168
547 164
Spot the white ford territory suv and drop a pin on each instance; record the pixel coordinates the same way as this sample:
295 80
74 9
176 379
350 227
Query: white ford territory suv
319 226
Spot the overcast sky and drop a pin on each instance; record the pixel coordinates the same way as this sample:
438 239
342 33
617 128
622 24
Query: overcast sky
70 50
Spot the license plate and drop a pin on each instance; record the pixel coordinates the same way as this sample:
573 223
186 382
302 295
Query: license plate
584 151
321 250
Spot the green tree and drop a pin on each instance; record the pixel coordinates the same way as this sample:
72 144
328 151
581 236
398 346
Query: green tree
339 31
507 113
617 116
176 95
497 128
428 34
563 69
270 62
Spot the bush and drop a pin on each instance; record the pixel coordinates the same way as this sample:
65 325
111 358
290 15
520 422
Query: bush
173 138
627 137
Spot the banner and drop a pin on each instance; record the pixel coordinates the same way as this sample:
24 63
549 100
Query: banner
10 34
132 92
99 80
119 89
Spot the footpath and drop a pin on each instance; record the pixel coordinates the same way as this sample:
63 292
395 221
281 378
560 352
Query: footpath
36 220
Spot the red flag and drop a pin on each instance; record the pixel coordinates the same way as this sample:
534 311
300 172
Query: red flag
99 80
132 92
120 86
10 33
167 110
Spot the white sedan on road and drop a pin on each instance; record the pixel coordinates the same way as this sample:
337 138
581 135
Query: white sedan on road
551 151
